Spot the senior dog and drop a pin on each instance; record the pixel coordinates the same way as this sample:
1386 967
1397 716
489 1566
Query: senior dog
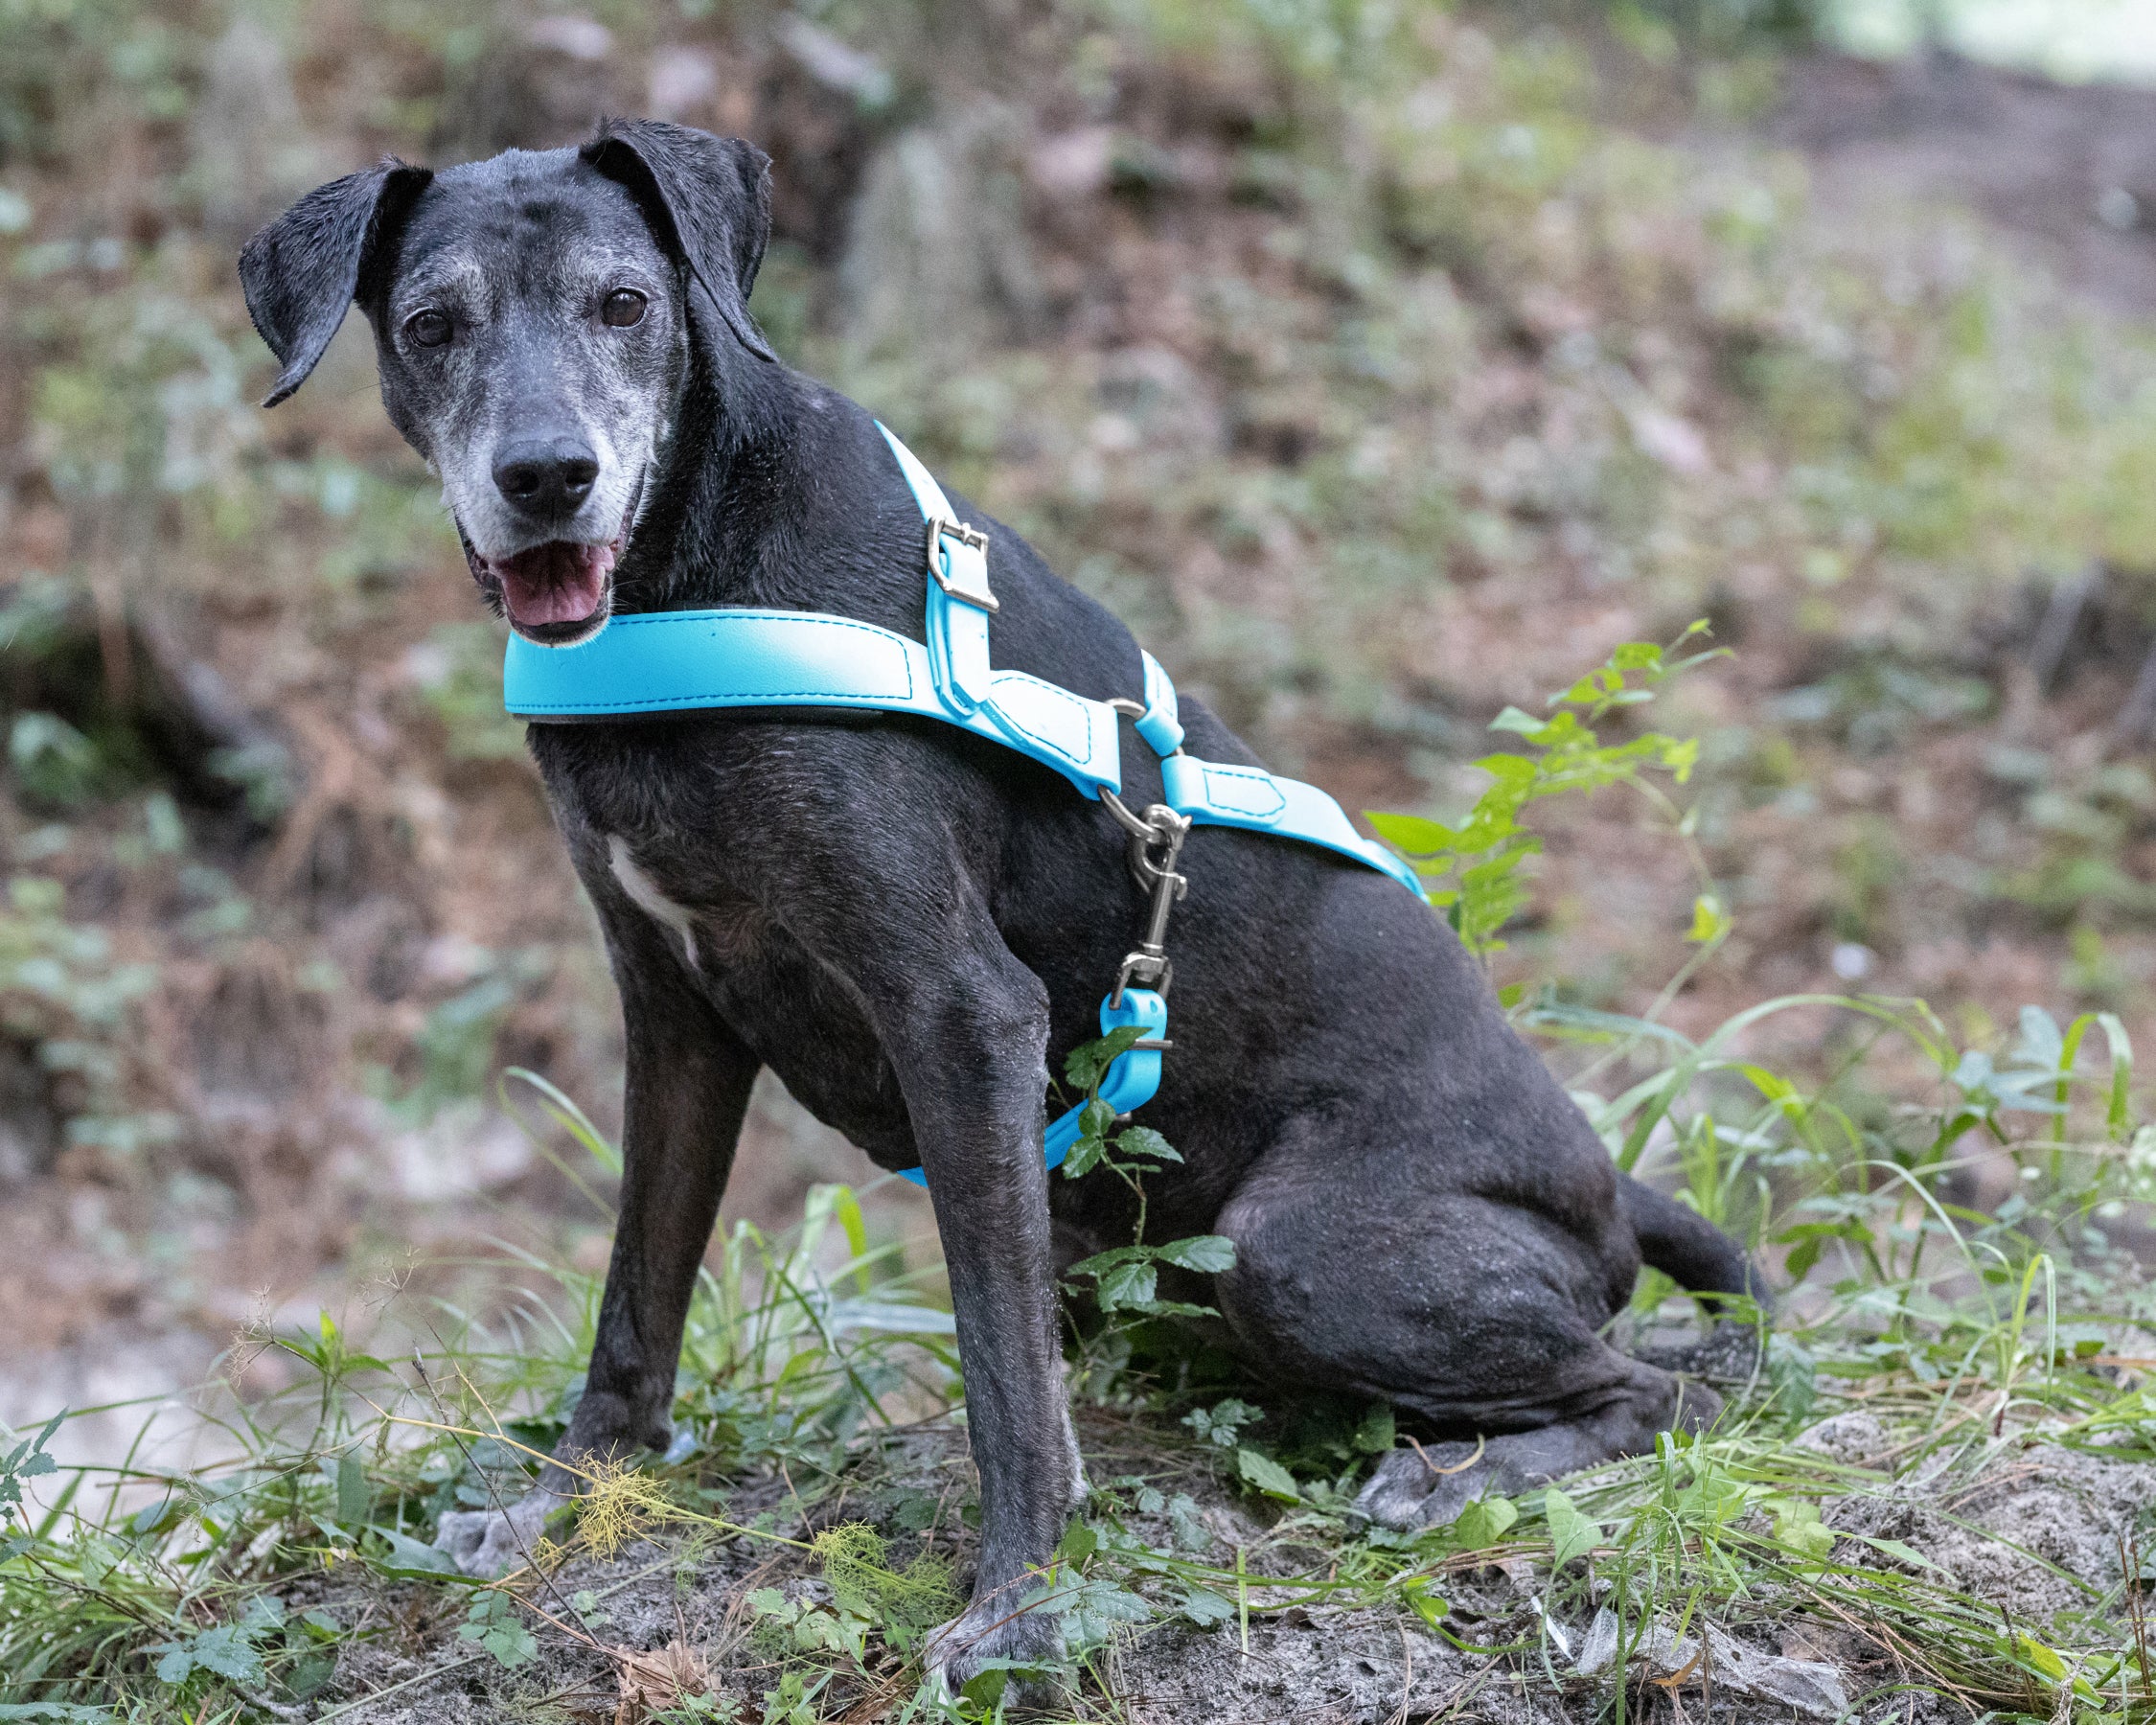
903 920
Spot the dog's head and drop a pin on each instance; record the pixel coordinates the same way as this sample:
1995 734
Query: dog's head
534 316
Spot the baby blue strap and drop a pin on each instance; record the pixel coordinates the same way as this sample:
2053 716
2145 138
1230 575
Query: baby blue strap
1160 724
1129 1081
1248 798
682 662
1213 793
959 600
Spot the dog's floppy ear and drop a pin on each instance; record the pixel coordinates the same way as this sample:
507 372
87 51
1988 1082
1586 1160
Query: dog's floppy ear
709 200
303 272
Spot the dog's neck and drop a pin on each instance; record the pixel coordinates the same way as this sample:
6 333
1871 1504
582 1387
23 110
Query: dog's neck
715 487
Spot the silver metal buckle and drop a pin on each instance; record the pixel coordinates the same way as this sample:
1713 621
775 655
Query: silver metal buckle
1159 829
974 539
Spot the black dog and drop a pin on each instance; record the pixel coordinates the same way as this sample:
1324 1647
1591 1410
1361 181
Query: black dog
903 920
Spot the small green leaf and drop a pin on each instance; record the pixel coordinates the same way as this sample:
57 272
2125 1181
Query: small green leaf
1191 1531
1425 1604
1086 1064
1143 1140
1102 1261
1211 1254
1571 1533
1219 1424
1798 1527
354 1498
493 1623
407 1556
225 1651
1084 1157
1376 1434
1481 1523
1709 921
1127 1285
1267 1475
1207 1608
1091 1610
512 1644
1411 834
2042 1658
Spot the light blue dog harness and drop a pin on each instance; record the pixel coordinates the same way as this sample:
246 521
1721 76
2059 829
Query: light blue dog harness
677 661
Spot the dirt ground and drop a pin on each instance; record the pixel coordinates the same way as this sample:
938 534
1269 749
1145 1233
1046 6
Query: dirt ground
2022 1526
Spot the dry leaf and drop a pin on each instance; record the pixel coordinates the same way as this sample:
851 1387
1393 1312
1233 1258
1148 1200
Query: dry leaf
653 1682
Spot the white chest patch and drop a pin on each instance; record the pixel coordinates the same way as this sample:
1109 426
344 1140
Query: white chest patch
644 893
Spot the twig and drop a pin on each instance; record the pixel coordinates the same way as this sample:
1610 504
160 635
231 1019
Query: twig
1243 1600
1399 1715
1480 1444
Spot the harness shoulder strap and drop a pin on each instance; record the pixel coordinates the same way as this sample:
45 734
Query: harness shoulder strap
959 600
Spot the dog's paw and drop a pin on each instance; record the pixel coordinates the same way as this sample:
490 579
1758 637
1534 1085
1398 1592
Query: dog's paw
486 1542
1418 1488
992 1631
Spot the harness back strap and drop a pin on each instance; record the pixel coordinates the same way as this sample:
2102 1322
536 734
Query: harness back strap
677 661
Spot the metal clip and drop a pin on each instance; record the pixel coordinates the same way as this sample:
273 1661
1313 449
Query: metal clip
974 540
1160 828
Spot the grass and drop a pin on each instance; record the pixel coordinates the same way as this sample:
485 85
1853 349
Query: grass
228 1593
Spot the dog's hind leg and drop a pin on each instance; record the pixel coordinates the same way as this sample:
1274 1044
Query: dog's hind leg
688 1084
1479 1316
1428 1484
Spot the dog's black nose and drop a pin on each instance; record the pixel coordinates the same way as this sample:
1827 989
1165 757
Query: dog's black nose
549 478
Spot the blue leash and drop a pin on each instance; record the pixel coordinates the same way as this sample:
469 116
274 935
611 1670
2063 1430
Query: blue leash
675 661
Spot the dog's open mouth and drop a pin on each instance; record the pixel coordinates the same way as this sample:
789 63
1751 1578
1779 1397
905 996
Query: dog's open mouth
555 584
555 592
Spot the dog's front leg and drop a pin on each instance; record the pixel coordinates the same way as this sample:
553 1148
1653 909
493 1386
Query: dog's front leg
687 1088
971 1056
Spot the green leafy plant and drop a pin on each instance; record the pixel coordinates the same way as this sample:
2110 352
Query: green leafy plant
228 1650
494 1623
1472 870
1126 1279
28 1459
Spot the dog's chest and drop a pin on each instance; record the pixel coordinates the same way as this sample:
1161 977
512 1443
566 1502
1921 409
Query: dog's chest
800 1020
723 934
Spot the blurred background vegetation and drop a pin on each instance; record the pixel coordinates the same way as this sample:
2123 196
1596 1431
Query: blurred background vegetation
1383 362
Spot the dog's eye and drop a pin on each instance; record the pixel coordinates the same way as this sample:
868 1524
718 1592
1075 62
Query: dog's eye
428 329
624 308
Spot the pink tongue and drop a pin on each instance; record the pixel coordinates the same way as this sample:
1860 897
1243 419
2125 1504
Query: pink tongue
557 582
